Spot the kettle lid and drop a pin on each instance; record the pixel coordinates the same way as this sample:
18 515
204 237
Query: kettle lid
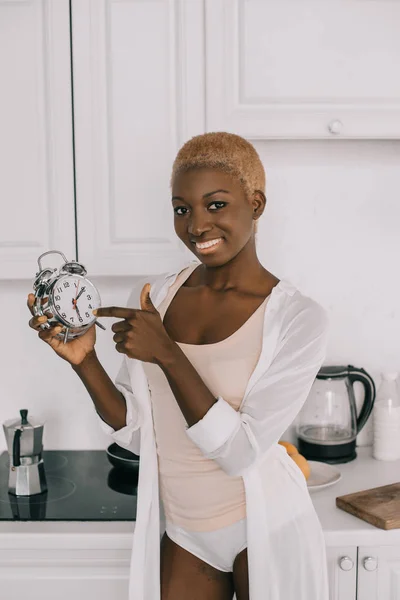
23 421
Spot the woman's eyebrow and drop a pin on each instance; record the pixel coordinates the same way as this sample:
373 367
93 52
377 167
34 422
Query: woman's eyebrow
207 195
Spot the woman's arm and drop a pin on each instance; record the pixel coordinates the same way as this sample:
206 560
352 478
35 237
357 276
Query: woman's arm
116 405
108 401
119 412
191 393
235 440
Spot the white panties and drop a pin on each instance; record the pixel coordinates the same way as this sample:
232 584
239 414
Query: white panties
218 548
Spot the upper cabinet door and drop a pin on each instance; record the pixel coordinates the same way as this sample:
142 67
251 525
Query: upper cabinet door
138 95
36 157
309 69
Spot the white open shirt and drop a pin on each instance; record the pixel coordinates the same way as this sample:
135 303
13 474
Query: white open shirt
286 547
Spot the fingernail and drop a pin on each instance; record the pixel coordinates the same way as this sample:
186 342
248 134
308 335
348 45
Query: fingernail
41 319
94 311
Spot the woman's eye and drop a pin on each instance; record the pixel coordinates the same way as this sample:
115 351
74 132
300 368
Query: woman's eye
179 208
223 203
212 203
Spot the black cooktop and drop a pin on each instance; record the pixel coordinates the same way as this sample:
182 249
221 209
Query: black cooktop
82 486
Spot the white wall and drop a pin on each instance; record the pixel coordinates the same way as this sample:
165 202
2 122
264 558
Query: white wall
331 226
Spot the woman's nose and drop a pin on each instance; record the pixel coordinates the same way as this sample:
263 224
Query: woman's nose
198 225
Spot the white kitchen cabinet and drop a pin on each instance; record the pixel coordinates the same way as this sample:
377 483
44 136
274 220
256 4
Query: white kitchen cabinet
62 560
50 575
364 572
138 95
290 69
69 560
85 166
378 573
342 572
36 156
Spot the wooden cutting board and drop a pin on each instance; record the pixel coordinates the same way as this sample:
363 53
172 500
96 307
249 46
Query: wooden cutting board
379 506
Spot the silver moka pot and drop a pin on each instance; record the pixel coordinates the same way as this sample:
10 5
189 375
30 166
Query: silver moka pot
24 442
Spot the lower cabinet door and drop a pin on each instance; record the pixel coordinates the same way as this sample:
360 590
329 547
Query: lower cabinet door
69 588
66 575
342 572
378 573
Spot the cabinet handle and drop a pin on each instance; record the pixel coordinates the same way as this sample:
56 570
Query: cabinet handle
335 126
346 563
370 563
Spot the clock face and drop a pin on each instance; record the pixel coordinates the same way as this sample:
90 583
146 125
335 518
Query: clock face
74 298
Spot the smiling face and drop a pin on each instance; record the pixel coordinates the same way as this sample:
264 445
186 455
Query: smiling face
212 205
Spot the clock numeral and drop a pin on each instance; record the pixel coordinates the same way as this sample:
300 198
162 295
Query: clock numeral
59 290
80 320
58 307
87 314
71 319
58 298
63 315
89 297
90 306
66 284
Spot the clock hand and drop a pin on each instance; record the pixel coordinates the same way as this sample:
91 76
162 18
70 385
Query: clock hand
74 300
77 310
80 293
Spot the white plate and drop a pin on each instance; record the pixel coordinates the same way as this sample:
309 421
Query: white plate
322 475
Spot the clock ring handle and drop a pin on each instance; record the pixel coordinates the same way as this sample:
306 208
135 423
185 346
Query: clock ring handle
73 268
50 252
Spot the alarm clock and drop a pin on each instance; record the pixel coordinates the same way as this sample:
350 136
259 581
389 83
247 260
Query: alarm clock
70 298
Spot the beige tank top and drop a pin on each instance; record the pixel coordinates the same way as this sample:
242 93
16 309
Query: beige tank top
196 493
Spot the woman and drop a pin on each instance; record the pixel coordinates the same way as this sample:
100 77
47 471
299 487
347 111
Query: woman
219 358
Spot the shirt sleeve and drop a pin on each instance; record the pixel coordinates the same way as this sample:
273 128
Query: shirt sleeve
128 436
237 439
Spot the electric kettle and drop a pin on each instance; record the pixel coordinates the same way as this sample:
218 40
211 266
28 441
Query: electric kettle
24 442
327 424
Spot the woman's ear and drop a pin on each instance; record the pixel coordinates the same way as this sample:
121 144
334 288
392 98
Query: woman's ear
259 201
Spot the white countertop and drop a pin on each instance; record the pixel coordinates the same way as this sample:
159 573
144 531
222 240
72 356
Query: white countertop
340 528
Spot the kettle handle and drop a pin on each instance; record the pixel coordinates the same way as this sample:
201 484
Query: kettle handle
369 388
17 448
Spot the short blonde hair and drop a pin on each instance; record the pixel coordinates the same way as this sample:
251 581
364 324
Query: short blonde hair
225 152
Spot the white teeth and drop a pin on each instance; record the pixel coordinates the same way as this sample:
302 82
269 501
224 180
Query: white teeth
208 244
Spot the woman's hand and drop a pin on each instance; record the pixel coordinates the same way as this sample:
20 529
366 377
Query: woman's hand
74 351
141 334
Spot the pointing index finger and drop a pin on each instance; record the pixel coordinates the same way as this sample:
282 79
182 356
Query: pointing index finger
114 311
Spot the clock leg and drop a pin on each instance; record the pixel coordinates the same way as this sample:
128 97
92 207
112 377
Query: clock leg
99 325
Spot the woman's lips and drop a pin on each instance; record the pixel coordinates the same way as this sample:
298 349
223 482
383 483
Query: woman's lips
209 249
